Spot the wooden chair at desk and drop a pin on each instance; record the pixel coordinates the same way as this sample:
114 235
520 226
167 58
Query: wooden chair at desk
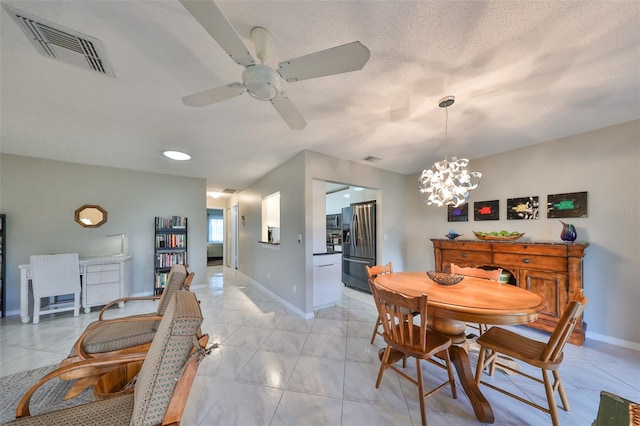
488 274
373 272
406 338
546 356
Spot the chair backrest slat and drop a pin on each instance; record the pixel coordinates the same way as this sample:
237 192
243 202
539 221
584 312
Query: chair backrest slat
399 315
489 274
376 270
564 328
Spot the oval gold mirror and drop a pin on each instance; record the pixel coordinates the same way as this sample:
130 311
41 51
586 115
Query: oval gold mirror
91 216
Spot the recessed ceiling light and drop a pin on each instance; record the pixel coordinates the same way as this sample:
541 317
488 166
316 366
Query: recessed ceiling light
177 155
214 194
357 188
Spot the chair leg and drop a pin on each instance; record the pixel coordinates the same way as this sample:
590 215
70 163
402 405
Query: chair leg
563 395
452 382
375 329
480 366
383 365
423 413
548 387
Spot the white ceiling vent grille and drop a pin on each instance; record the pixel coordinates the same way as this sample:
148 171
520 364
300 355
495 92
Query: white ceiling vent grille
63 44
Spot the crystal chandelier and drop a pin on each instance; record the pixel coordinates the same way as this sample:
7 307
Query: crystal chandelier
448 182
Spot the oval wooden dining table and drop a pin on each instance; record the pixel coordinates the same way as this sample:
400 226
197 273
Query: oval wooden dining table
471 300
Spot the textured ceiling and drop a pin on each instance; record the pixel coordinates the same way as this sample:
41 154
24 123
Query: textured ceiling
522 73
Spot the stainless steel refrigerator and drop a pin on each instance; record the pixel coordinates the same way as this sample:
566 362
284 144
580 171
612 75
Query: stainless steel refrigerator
358 243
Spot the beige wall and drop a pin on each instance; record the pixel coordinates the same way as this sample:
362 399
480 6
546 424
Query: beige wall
39 198
606 164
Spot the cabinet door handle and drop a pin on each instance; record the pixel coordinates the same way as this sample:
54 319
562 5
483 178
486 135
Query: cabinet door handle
464 255
526 260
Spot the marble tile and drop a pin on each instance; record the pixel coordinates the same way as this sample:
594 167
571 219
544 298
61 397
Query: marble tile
225 362
325 346
268 369
242 404
286 342
293 322
248 337
358 414
318 376
362 329
297 409
361 349
360 382
329 326
336 312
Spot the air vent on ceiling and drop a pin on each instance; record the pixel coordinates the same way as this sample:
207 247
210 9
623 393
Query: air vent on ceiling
371 159
63 44
229 191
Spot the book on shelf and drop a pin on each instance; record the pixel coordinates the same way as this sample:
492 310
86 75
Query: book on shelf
177 222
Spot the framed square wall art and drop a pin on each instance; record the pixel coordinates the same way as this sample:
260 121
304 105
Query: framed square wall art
523 208
458 214
486 210
573 204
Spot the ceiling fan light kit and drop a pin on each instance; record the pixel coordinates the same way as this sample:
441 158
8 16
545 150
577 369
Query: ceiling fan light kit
261 81
448 183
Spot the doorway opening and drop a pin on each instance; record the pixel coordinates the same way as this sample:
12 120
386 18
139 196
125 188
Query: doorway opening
215 237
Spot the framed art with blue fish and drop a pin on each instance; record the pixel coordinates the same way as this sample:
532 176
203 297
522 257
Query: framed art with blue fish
523 208
486 210
573 204
458 214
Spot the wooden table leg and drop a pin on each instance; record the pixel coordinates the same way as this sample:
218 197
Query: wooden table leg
455 330
481 406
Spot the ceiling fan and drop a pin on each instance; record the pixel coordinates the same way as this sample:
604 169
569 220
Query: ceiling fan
261 81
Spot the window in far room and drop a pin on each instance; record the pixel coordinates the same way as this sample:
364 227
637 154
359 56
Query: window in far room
215 226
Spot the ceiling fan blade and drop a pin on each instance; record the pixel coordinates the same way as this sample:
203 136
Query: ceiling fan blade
345 58
212 96
288 111
216 24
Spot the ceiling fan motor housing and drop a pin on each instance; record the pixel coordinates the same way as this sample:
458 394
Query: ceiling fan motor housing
262 82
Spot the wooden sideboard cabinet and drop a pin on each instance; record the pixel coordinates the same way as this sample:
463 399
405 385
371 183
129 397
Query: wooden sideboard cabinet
552 270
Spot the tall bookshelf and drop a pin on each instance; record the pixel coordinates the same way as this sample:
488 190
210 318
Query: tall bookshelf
170 247
3 266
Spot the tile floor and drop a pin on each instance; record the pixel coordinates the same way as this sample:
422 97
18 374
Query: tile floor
275 368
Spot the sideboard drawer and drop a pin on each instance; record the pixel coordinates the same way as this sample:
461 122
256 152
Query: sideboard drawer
477 258
531 249
104 267
103 277
465 245
546 263
101 294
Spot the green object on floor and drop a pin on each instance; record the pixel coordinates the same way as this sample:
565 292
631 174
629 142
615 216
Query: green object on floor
617 411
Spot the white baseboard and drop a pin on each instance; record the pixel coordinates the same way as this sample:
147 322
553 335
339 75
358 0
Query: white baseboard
281 300
613 341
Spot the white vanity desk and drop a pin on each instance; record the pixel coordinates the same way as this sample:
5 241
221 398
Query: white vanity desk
103 279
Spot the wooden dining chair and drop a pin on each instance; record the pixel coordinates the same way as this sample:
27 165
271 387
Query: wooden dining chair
373 272
487 274
545 355
404 323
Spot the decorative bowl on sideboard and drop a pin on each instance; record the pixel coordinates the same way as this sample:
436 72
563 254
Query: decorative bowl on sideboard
488 237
